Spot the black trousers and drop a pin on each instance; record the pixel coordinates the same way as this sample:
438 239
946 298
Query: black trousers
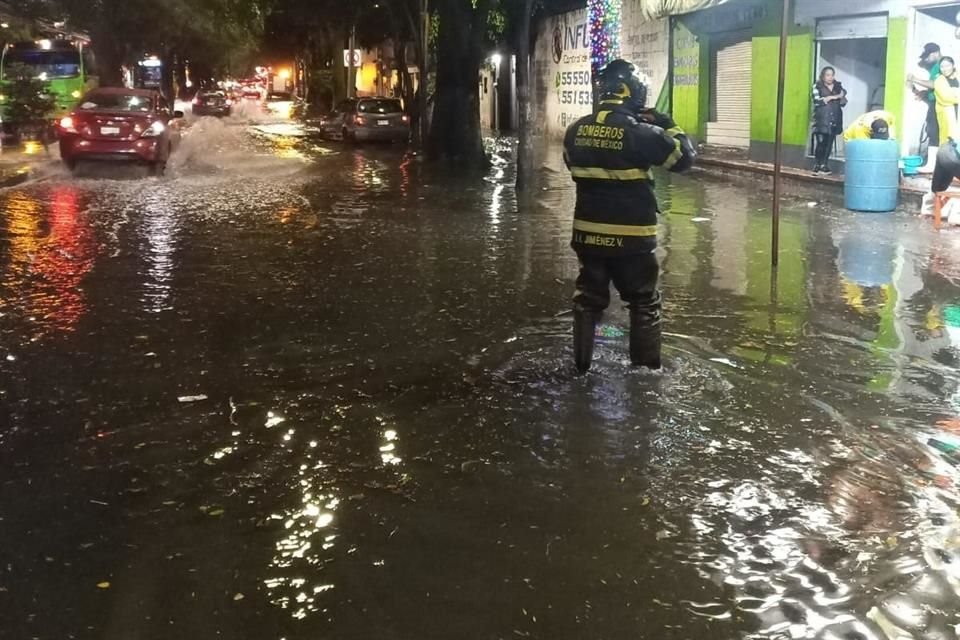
933 125
823 148
636 278
947 167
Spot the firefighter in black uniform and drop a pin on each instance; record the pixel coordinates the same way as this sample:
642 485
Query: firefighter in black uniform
610 154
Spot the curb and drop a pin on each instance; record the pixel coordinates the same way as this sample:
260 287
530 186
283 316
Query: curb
794 179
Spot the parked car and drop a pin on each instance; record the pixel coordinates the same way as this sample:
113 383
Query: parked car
363 119
279 103
119 124
211 103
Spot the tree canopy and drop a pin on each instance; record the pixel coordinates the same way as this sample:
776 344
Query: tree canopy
222 33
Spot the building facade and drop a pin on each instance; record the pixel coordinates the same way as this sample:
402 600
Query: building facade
716 69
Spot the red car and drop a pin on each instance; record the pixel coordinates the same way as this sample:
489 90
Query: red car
122 124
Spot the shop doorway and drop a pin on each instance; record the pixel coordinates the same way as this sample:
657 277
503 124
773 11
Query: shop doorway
856 46
731 60
932 24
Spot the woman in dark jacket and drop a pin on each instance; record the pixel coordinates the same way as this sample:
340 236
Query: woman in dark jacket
829 98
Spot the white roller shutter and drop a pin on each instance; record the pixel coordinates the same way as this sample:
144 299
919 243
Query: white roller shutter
852 28
732 99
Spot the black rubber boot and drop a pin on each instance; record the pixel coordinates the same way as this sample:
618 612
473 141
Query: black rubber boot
584 328
645 337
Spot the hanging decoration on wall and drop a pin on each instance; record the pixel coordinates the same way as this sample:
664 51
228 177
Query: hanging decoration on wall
604 17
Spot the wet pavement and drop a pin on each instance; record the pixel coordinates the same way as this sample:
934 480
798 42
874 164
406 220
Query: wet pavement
299 390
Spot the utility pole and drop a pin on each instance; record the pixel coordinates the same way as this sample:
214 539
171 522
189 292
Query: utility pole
778 141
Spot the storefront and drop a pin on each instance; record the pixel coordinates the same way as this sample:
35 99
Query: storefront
856 47
731 57
713 68
562 55
929 23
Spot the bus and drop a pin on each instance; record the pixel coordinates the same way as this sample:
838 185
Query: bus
67 68
149 74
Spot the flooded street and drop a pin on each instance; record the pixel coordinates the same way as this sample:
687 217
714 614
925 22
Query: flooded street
298 390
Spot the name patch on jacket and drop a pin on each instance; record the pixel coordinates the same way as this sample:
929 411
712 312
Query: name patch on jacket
599 137
597 241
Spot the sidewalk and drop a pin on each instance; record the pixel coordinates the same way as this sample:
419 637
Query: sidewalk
18 163
734 161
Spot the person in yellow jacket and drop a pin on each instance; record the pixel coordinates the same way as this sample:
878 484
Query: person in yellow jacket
947 92
877 125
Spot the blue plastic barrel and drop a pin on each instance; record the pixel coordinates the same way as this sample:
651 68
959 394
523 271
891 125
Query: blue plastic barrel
871 175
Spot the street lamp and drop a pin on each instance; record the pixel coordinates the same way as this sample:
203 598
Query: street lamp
496 59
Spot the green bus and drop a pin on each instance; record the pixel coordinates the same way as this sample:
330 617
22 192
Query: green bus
67 67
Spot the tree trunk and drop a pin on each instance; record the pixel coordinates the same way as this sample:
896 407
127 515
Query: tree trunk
418 26
406 82
455 130
336 37
167 74
403 67
110 58
525 148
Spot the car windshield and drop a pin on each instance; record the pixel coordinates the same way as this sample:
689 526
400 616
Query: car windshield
43 63
115 102
279 97
380 106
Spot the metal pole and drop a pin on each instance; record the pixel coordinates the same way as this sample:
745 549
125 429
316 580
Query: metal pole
778 143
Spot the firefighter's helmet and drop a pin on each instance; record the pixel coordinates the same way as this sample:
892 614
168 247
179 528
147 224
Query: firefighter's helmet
620 81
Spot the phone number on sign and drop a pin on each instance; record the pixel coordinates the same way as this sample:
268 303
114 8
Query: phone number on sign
576 97
577 78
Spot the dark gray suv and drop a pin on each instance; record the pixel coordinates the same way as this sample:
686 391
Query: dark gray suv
364 119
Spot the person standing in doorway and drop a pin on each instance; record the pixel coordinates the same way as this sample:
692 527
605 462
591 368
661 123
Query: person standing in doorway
947 92
829 98
923 81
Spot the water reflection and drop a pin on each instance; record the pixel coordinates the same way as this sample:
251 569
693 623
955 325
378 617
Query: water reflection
160 229
296 578
388 447
802 566
418 430
52 249
369 173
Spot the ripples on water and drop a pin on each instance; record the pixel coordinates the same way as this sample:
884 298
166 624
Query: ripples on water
392 443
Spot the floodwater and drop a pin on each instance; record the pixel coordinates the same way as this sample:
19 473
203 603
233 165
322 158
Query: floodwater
299 390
